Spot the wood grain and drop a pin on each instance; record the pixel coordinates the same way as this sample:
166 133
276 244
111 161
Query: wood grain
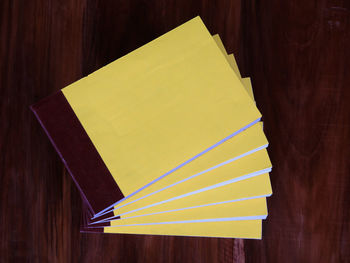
297 53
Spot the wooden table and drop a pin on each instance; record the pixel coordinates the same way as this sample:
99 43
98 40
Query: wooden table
297 53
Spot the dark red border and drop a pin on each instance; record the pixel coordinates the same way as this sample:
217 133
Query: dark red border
86 220
77 152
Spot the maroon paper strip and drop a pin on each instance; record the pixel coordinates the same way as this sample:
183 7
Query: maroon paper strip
88 217
86 220
77 152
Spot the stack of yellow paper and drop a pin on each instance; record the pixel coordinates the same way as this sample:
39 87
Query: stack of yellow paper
166 140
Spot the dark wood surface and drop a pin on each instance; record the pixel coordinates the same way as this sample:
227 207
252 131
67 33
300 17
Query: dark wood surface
297 53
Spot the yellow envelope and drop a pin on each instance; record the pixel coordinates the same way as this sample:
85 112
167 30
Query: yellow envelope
146 113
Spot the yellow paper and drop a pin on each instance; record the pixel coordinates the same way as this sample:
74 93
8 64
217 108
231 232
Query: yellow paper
242 210
146 113
241 144
250 139
232 229
232 61
248 85
256 186
225 174
250 188
230 58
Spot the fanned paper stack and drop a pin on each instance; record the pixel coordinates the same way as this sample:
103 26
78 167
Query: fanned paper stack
166 140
